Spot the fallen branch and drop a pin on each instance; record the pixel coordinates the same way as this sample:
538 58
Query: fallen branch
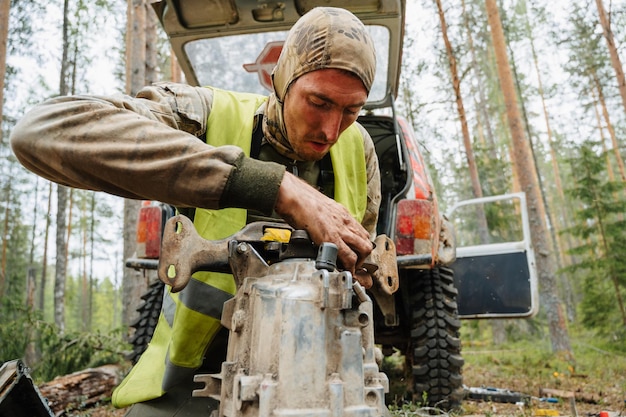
81 389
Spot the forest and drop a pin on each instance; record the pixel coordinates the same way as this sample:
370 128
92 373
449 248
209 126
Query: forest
66 299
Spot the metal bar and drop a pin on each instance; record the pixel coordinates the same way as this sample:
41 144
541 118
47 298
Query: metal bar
407 261
137 263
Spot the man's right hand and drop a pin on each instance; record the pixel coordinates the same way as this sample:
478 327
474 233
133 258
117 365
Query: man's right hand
303 207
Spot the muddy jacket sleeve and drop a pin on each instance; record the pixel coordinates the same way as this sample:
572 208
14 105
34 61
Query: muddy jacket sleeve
146 147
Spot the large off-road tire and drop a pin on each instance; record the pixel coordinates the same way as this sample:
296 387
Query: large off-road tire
434 352
146 322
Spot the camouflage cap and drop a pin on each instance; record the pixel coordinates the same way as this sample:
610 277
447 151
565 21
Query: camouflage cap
325 37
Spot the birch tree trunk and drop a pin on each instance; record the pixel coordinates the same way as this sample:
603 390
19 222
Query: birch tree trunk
524 166
61 249
84 278
44 261
92 237
70 213
31 356
30 299
60 265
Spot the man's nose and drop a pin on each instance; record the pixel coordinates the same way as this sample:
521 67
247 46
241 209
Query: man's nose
331 127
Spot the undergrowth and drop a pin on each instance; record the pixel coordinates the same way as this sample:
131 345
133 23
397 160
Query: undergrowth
595 373
49 353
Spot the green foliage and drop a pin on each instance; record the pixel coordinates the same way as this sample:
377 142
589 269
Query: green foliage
58 354
14 331
597 306
64 354
532 356
99 311
503 223
601 230
15 257
107 306
494 171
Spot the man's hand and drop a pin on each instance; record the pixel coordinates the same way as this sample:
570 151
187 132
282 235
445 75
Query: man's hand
303 207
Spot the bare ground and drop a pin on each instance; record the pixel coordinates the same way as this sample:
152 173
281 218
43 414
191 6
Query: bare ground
596 380
597 383
592 396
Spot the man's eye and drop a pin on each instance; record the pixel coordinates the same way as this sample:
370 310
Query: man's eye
319 104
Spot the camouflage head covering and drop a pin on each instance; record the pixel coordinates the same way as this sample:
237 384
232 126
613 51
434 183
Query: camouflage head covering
325 37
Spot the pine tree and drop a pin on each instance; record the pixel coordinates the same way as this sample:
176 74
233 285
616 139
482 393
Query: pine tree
601 229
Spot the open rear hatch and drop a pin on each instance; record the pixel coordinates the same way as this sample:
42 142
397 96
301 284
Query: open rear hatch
234 44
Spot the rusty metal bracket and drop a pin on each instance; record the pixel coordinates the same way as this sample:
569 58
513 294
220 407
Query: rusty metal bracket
184 252
382 265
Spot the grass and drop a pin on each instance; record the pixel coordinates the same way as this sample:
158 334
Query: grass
525 364
596 373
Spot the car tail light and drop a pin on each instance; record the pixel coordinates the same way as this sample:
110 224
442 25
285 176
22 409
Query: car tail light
149 230
414 227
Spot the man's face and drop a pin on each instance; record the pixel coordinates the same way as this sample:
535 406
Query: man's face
318 107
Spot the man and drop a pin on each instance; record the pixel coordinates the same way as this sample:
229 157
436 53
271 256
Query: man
148 148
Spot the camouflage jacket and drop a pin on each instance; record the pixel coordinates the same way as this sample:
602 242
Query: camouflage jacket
147 147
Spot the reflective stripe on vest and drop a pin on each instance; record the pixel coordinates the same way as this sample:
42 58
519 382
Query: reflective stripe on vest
190 319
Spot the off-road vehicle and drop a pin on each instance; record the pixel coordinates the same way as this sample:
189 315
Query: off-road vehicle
447 269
